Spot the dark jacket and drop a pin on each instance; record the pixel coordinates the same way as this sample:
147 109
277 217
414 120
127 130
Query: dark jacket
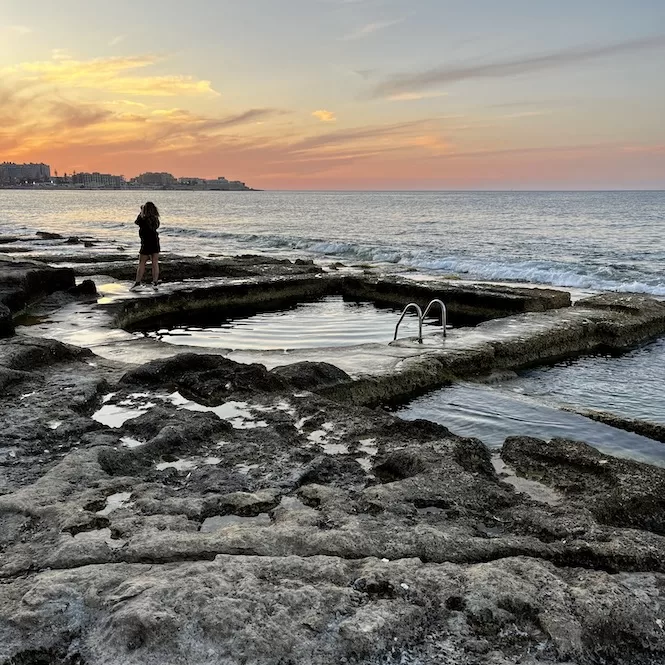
148 233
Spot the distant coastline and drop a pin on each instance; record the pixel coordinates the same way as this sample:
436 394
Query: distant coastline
129 188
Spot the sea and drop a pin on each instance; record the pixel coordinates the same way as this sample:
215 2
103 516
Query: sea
585 242
606 241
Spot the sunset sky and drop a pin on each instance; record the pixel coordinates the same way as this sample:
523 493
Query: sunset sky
340 94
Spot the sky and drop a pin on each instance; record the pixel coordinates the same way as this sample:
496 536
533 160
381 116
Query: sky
340 94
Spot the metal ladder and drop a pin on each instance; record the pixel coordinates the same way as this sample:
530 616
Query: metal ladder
421 316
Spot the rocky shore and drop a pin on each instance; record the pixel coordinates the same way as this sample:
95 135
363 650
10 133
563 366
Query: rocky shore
194 509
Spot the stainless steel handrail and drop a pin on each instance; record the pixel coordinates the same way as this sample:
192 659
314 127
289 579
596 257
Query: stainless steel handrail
419 312
444 313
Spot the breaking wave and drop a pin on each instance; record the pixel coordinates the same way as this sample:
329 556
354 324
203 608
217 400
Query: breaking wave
617 278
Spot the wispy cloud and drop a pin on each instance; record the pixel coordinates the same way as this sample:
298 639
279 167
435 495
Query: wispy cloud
115 75
365 74
658 149
416 96
371 28
417 81
325 116
20 29
391 134
61 54
117 40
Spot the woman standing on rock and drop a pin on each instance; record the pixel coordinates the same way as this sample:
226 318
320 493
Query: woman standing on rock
148 223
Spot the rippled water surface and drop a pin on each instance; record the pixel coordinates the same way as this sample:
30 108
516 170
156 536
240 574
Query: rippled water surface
491 415
329 322
588 240
631 385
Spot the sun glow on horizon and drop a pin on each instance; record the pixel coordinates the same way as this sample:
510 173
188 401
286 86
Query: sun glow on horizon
477 121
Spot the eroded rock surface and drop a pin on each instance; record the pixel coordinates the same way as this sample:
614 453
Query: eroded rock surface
199 511
24 282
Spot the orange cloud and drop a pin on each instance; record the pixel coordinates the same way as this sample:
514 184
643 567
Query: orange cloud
325 116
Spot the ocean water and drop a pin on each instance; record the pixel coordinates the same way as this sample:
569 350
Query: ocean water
586 240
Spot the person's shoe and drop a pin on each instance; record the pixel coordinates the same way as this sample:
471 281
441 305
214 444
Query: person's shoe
135 287
154 286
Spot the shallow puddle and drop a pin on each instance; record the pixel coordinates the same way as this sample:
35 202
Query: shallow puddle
128 442
335 448
537 491
237 413
116 415
115 501
223 521
179 465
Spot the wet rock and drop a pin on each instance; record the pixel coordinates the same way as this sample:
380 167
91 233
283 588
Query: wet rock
29 353
248 504
646 428
340 471
186 267
207 377
25 282
402 546
311 376
6 322
466 303
84 289
349 611
73 240
617 492
46 235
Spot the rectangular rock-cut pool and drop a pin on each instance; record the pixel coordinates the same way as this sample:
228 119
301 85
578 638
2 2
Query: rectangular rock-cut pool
328 322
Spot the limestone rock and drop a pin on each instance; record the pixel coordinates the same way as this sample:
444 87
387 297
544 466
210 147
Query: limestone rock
311 375
209 377
6 322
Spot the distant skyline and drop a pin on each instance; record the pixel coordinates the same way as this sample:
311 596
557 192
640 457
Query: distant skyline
340 94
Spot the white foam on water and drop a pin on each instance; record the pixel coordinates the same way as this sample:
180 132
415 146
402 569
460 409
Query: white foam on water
54 424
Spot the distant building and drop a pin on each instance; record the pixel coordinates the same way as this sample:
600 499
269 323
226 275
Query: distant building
97 180
17 174
219 183
150 179
192 182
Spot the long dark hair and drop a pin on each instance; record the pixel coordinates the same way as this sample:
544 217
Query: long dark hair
151 215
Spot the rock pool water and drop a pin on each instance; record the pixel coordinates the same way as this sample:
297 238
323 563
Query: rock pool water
328 322
631 385
492 414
